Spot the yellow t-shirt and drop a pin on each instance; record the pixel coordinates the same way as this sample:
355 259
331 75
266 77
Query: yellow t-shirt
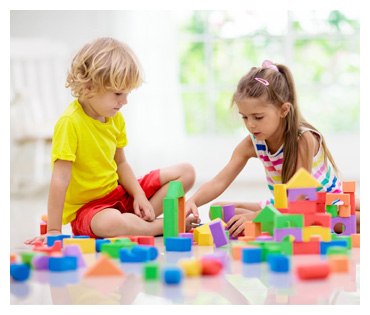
91 146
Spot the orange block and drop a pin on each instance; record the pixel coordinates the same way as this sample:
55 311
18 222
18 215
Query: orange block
339 263
349 187
331 197
181 215
104 266
246 239
252 229
344 211
13 257
355 240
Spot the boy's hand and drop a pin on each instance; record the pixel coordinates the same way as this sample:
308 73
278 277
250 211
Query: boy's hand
42 238
236 223
144 209
191 208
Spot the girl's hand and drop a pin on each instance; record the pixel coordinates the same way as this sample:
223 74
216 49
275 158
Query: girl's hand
191 208
144 209
236 223
42 238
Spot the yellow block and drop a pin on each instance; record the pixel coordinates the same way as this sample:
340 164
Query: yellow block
205 229
205 239
308 231
87 245
191 267
302 179
281 198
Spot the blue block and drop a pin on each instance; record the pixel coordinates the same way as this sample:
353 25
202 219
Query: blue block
139 255
178 244
278 262
325 245
20 272
99 243
52 238
252 255
172 275
81 236
65 263
152 251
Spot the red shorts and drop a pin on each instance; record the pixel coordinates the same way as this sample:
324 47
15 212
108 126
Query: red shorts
118 199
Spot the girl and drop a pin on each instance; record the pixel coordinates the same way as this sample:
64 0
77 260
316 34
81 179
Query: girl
93 186
279 136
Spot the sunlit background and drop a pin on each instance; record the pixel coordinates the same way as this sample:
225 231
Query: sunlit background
193 61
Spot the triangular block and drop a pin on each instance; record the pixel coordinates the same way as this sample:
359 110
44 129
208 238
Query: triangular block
302 179
104 266
175 190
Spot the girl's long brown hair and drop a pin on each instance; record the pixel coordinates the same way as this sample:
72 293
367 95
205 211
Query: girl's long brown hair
281 89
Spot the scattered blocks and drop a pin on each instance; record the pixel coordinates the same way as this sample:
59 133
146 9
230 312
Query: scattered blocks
278 262
210 266
318 270
87 244
251 255
65 263
218 233
40 262
191 267
129 256
19 272
112 249
75 250
339 263
99 243
104 267
178 244
172 275
50 240
56 247
151 271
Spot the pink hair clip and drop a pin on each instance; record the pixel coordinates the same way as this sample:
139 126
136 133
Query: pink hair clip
263 81
269 65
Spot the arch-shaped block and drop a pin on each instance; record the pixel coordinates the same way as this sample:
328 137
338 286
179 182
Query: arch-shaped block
320 219
281 233
348 222
316 230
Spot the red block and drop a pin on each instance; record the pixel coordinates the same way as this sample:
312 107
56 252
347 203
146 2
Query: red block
146 240
321 219
283 210
318 270
210 266
321 197
302 207
57 247
306 248
320 207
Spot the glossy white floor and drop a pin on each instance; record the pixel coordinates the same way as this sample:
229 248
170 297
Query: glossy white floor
237 284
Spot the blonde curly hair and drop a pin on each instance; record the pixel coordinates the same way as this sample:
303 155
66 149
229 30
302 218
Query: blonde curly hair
104 64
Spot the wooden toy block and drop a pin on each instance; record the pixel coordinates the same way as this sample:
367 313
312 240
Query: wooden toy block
355 240
172 275
331 197
280 234
302 179
319 270
338 263
296 194
280 196
39 247
302 207
43 228
344 211
251 255
349 186
50 240
112 249
320 219
316 230
65 263
191 267
216 212
306 248
324 246
187 235
205 239
151 271
289 221
126 255
210 266
19 272
218 233
87 244
75 250
178 244
332 210
278 262
348 223
103 267
228 212
99 243
252 229
40 262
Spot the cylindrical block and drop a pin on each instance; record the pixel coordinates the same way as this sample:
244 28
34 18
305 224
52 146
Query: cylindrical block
315 271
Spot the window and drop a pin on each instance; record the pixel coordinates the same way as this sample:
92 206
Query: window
322 49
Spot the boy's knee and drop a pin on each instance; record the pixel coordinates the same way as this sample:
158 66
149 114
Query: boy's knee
108 226
188 173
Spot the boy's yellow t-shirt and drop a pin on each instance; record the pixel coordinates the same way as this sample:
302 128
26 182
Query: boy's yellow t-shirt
91 146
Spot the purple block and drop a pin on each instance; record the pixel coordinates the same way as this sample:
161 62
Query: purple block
218 233
349 223
187 235
75 250
281 233
229 212
264 238
310 193
41 262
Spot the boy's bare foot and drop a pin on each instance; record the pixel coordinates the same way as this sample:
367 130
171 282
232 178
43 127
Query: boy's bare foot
191 222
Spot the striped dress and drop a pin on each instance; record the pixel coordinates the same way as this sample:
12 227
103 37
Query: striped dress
273 163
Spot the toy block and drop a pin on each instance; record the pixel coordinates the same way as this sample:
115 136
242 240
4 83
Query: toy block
348 223
43 228
289 221
251 255
26 258
264 238
187 235
332 210
210 266
355 240
172 275
44 218
81 236
50 240
321 197
306 248
146 240
319 219
236 250
267 217
280 234
40 262
344 211
331 197
324 246
283 210
342 237
152 251
178 244
13 258
295 194
57 247
280 196
316 230
320 208
302 207
112 249
175 190
319 270
216 212
99 243
278 262
103 267
349 186
204 229
337 250
339 263
245 239
65 263
129 256
252 229
228 212
75 250
87 244
151 271
170 218
302 179
19 272
205 239
191 267
181 215
218 233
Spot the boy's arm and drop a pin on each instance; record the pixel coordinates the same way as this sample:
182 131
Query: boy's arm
127 179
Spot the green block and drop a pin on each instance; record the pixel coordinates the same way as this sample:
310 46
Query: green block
216 212
170 218
27 257
268 227
335 236
112 249
289 220
333 210
151 271
227 234
267 214
175 190
124 241
337 250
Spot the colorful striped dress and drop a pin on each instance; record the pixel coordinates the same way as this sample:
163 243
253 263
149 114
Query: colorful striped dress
273 163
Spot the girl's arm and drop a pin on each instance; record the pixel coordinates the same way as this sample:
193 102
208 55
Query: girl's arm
59 183
308 146
216 186
127 179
